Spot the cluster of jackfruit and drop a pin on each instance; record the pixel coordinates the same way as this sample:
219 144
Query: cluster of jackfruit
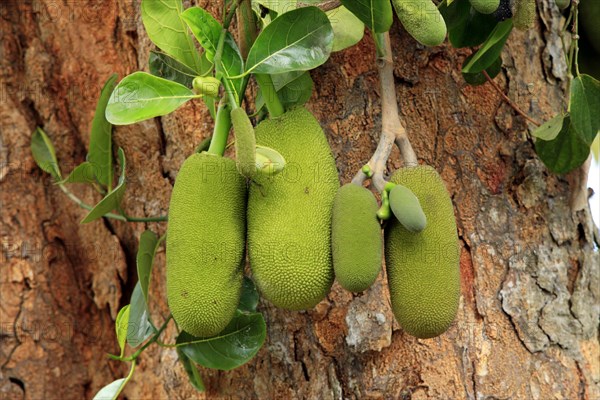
301 230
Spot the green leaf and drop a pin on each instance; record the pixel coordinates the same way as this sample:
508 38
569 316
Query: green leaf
141 96
376 14
235 346
280 6
43 153
479 78
110 391
293 89
145 257
139 328
466 26
207 31
347 28
550 129
165 27
121 325
585 107
490 50
565 152
191 371
83 173
249 297
100 153
166 67
113 199
298 40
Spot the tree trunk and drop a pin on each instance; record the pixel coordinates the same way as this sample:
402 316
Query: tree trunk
527 326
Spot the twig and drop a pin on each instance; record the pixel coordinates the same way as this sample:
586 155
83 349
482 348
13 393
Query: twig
327 5
509 101
392 129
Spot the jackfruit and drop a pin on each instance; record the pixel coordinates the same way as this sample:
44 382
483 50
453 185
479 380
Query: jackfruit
485 6
245 142
422 20
423 268
289 214
356 238
205 244
524 14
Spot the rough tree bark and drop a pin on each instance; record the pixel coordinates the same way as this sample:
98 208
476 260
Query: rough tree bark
527 326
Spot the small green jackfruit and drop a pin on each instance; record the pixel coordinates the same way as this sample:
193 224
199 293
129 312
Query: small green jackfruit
245 142
356 238
407 209
423 268
205 244
563 4
524 14
422 20
289 214
485 6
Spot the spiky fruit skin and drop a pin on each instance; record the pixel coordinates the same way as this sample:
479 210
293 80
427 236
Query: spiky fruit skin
423 268
289 215
485 6
524 14
356 239
205 244
422 20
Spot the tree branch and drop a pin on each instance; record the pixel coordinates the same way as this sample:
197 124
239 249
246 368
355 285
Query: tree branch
392 130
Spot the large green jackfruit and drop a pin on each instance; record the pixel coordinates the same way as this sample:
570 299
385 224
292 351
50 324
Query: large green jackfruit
289 215
205 244
356 238
422 20
423 268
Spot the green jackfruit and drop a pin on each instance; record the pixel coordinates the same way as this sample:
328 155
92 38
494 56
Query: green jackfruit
422 20
205 244
524 14
245 143
423 268
356 238
485 6
289 214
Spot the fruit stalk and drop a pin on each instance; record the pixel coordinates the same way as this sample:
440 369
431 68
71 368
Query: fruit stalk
392 129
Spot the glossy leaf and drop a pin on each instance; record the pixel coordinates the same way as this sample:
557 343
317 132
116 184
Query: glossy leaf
298 40
141 96
347 28
479 78
293 89
83 173
191 371
565 152
139 328
166 67
375 14
466 27
113 199
490 50
550 129
235 346
100 153
44 154
585 107
121 324
249 297
144 259
165 27
110 391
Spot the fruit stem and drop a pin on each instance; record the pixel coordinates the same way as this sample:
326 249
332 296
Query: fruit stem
246 26
221 130
270 95
392 129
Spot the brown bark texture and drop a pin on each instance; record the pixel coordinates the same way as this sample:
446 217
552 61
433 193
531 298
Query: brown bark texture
527 326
